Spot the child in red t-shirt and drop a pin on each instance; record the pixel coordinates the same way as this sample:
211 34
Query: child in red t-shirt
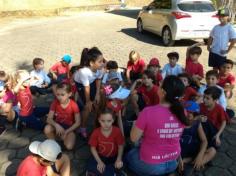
193 67
29 115
64 117
146 94
106 145
226 79
189 92
135 67
154 66
215 117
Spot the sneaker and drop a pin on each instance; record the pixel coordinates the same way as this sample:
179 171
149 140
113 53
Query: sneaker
83 133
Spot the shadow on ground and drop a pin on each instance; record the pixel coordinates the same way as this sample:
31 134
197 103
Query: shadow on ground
153 39
131 13
24 66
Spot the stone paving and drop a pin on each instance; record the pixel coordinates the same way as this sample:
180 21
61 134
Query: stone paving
114 33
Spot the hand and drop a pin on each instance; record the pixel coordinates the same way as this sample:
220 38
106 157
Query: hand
97 98
89 105
118 164
181 166
59 130
66 132
202 118
44 85
101 167
198 164
218 141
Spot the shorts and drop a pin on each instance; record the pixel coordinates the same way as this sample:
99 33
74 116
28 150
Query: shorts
215 60
82 100
65 126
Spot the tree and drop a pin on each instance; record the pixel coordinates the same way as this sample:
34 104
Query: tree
230 4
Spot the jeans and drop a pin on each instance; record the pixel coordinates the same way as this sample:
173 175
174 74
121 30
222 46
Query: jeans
141 168
34 120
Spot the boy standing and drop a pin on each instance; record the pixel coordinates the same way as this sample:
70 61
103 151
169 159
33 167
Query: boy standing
220 36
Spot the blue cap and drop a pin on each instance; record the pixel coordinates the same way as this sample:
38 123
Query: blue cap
2 85
67 58
191 106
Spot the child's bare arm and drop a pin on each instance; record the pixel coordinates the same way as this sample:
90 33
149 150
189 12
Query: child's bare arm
188 49
231 45
222 127
209 42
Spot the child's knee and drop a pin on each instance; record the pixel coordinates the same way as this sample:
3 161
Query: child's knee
49 129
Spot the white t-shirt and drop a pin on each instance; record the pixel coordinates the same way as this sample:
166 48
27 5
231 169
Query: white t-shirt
104 79
86 76
168 70
221 36
40 77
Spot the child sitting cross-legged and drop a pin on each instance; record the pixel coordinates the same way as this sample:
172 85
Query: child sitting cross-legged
193 141
64 117
106 145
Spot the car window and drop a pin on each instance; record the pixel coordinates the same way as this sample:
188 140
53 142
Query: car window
165 4
155 5
196 7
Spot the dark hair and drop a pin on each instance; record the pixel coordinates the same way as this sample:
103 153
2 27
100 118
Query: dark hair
228 61
89 55
37 61
214 92
185 75
173 54
212 73
112 65
195 50
64 86
174 89
150 74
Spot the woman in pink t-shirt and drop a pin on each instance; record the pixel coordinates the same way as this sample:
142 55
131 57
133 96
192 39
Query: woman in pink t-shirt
161 127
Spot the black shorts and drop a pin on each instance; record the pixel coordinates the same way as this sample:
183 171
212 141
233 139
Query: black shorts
215 60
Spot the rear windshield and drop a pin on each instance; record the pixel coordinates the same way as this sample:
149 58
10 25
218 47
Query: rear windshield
196 7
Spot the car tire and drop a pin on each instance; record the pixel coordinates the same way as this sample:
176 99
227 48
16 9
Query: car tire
167 37
140 26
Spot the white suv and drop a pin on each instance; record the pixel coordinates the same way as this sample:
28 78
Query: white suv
178 19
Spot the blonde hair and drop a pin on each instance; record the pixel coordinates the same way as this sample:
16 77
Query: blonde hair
18 75
133 55
7 79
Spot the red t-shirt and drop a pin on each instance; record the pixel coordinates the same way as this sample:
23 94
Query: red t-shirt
228 79
29 167
60 69
115 105
189 92
193 68
216 116
64 115
137 67
158 78
150 97
106 146
26 102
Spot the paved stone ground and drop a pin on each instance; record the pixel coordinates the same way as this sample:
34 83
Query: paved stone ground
114 33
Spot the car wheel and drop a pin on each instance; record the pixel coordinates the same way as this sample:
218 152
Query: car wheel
140 26
167 37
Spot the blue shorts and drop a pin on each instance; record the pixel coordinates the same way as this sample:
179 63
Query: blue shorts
215 60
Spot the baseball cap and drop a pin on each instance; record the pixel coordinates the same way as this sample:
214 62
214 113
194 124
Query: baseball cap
154 62
116 91
173 54
67 58
2 85
223 12
191 106
112 75
48 149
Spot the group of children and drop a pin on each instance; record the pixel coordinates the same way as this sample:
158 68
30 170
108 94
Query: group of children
97 86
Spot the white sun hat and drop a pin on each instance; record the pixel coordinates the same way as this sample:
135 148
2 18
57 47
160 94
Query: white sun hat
48 149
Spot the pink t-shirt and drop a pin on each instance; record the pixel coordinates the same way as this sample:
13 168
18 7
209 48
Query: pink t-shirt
162 132
9 96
